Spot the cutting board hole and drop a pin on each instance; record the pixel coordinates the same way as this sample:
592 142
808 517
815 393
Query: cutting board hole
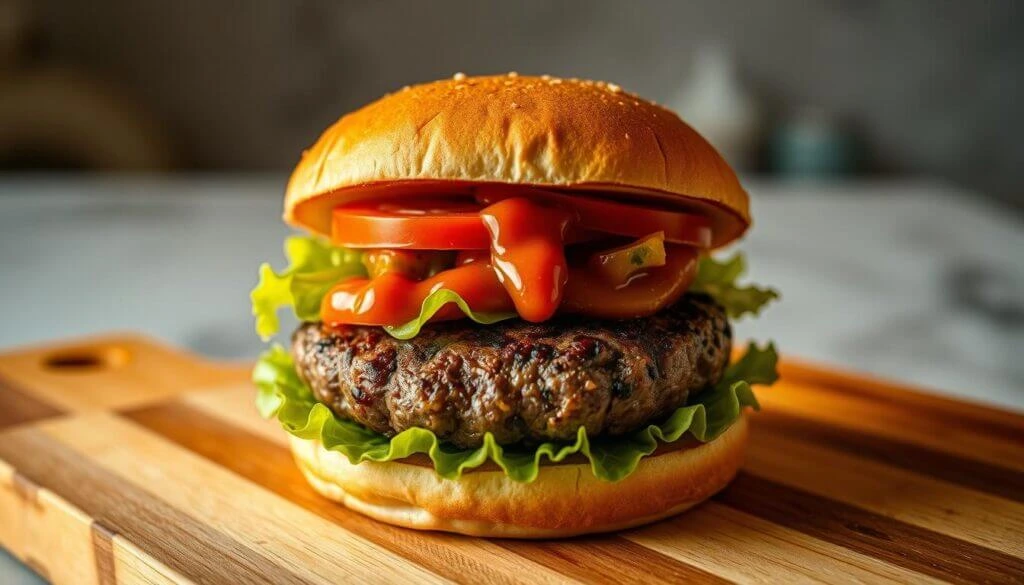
86 359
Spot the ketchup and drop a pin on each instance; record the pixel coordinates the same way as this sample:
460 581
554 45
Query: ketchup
524 270
528 254
395 299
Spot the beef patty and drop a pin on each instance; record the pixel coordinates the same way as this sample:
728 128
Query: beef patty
523 382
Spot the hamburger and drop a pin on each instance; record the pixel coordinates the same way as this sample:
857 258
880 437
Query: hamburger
511 323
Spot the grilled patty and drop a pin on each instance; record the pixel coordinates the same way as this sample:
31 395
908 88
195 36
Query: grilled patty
521 381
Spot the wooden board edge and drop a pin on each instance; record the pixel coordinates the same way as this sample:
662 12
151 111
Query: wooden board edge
63 544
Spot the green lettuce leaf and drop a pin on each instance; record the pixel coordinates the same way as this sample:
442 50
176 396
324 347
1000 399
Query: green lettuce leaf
718 280
313 268
283 396
432 304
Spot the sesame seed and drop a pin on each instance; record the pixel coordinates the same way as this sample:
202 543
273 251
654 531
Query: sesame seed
545 77
555 81
515 106
406 88
459 76
513 74
614 88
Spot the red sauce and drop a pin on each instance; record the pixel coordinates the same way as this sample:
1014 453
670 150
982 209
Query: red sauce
394 299
525 270
528 254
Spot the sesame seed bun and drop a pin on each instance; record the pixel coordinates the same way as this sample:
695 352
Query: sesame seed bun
566 499
584 137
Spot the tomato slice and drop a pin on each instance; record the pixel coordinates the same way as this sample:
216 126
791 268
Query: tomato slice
455 224
435 224
612 217
394 299
645 293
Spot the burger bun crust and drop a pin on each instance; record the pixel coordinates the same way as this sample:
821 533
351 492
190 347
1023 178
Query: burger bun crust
565 499
583 137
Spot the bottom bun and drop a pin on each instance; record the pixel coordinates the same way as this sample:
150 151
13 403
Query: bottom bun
565 499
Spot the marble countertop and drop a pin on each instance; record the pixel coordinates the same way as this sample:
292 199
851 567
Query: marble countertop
912 280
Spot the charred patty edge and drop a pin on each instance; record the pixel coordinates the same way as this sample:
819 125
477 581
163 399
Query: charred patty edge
522 382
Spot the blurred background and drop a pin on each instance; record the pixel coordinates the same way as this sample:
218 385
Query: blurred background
144 148
907 86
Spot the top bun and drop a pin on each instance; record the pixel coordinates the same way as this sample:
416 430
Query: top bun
584 137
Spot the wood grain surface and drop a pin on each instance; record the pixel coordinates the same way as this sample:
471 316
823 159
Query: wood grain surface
124 461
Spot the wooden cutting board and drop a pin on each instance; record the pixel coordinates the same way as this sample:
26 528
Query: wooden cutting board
124 461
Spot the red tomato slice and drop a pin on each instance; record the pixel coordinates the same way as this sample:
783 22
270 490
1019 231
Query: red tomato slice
420 224
441 224
613 218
